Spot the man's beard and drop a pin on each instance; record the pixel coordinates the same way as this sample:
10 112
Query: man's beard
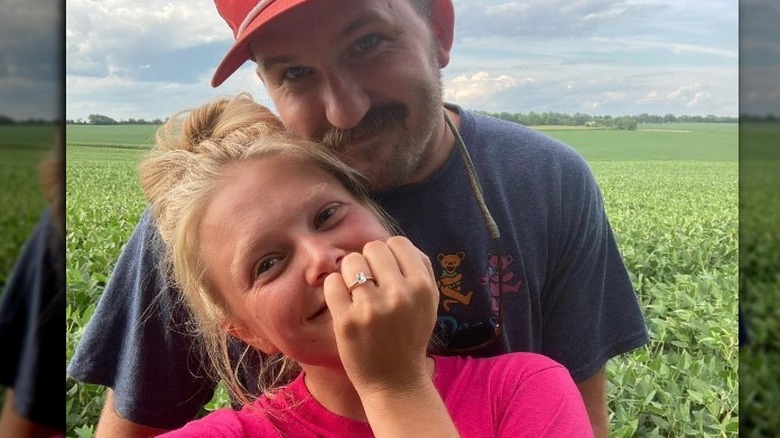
412 146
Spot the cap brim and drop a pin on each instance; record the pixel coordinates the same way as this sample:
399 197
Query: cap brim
239 53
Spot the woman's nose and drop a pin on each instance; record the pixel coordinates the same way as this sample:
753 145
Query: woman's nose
323 259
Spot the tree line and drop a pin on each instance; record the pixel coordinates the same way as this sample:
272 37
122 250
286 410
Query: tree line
100 119
531 119
7 120
759 118
628 123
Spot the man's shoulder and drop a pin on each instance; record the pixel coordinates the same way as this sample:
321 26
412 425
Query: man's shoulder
527 155
506 139
144 242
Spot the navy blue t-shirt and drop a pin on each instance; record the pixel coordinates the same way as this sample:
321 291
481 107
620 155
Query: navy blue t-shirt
32 319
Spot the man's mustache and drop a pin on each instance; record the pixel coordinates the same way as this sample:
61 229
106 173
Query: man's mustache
375 119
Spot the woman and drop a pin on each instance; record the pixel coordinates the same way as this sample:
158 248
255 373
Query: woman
274 241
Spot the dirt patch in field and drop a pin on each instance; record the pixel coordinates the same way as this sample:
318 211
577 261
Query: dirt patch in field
666 130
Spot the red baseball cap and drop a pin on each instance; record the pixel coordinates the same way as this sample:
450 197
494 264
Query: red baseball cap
246 17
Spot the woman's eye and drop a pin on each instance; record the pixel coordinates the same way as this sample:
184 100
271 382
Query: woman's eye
367 42
294 73
326 214
266 265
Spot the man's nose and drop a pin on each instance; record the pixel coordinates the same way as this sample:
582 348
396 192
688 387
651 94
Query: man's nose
345 100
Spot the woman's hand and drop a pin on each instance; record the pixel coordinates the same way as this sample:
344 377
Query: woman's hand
382 332
383 326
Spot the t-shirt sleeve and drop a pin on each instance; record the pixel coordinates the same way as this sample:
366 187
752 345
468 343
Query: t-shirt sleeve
590 310
137 341
544 403
32 314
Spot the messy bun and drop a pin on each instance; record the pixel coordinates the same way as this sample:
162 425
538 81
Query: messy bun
213 134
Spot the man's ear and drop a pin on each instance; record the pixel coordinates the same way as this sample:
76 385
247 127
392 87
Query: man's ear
249 336
442 22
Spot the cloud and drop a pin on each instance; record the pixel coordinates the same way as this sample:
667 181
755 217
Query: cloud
684 99
122 98
614 57
620 57
652 96
30 67
759 57
602 90
28 98
479 88
115 37
632 45
540 18
760 89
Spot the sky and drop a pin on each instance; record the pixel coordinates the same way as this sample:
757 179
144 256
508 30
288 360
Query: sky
759 51
149 59
31 67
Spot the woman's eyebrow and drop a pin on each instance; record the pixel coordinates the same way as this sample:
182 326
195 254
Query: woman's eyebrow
313 192
238 265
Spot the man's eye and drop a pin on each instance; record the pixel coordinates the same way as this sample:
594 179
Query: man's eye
367 42
293 73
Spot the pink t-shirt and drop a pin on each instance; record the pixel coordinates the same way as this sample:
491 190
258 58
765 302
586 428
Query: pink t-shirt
512 395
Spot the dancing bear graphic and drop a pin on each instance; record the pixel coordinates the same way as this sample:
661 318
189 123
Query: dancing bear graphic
490 278
449 281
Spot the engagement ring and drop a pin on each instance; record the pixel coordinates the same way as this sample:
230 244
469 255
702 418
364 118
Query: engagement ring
360 278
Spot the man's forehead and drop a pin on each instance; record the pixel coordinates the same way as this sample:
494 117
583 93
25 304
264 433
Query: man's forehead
314 24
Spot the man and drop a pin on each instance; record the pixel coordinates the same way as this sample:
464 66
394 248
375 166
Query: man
32 314
363 76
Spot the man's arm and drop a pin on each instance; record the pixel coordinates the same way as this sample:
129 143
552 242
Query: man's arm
14 424
593 392
590 290
112 425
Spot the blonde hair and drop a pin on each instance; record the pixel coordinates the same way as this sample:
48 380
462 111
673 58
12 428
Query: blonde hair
178 177
51 171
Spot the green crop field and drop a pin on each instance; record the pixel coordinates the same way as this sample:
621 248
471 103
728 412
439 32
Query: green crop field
111 135
21 149
672 200
759 279
676 142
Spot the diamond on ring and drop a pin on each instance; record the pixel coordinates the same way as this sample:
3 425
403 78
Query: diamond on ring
360 278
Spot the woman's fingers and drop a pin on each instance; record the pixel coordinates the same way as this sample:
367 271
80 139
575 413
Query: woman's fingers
337 296
397 259
382 263
413 263
408 257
